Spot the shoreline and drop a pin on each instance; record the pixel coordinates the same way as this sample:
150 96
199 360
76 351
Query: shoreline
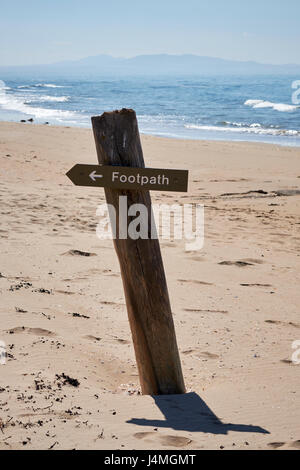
245 110
210 141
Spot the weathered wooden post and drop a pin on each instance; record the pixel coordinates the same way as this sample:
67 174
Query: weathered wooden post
118 143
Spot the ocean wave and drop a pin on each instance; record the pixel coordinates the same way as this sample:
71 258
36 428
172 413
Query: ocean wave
14 103
239 124
41 99
39 85
284 108
47 85
251 129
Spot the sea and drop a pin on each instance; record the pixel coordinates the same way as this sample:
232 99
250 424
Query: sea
232 108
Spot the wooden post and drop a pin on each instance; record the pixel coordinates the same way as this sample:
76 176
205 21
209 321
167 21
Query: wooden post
118 143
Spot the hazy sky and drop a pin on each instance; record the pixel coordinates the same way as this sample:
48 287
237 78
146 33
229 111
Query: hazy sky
45 31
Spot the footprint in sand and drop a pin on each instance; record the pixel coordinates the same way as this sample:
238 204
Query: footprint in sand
78 253
276 445
173 441
207 355
239 264
32 331
106 302
108 272
203 354
196 258
93 338
256 285
65 292
121 340
254 261
143 435
282 323
92 271
188 351
199 310
195 281
296 445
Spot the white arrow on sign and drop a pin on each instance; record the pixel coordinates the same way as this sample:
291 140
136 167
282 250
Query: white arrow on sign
94 175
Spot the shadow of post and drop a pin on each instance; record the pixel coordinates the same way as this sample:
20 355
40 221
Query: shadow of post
189 412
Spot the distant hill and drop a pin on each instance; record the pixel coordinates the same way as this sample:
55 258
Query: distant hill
160 64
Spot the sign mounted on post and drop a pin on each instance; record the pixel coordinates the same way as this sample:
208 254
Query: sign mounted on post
123 177
122 167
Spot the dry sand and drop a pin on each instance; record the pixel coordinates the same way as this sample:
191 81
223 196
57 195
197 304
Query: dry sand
235 322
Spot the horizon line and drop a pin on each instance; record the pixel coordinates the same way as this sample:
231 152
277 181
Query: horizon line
252 61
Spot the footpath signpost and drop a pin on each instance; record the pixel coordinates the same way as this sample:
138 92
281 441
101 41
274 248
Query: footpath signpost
121 171
129 178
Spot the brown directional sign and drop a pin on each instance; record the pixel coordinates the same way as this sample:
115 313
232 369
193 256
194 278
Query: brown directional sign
121 177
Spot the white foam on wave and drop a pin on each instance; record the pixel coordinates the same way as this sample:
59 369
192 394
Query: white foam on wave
10 102
39 85
252 129
58 99
241 124
284 108
47 85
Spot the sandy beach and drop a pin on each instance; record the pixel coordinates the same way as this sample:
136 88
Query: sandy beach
70 380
